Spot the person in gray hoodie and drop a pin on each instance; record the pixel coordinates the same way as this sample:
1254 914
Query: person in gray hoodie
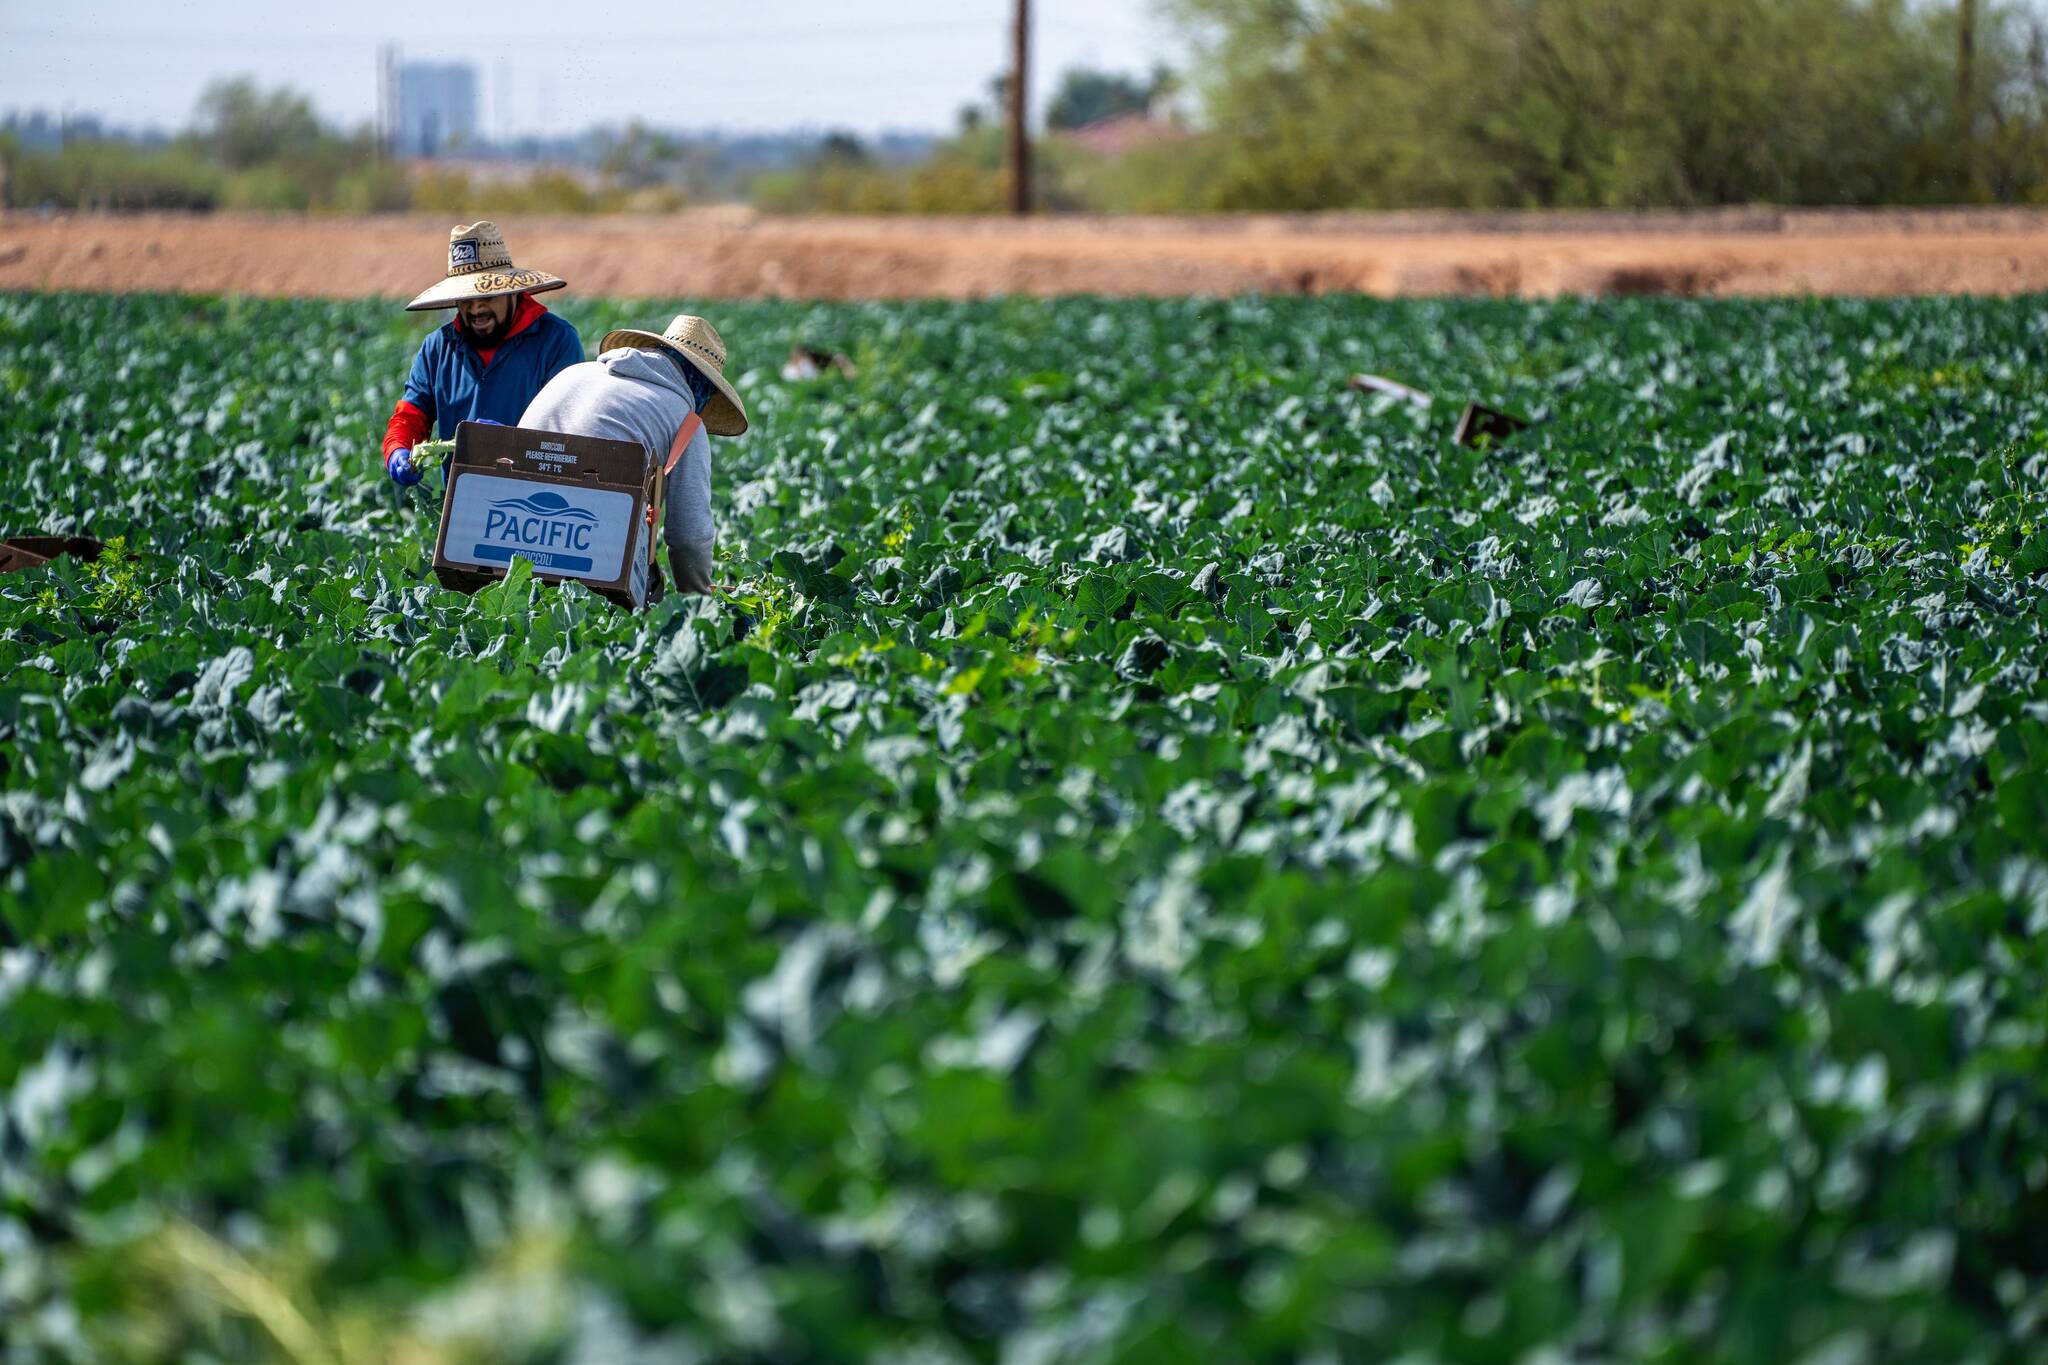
646 387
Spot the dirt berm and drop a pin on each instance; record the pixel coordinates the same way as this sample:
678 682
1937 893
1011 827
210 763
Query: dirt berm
725 253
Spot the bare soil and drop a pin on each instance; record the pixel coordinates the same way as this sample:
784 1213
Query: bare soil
731 253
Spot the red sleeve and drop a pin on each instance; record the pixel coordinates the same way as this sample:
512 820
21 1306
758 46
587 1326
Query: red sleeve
409 426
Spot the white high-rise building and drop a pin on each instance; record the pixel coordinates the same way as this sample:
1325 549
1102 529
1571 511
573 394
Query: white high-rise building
436 107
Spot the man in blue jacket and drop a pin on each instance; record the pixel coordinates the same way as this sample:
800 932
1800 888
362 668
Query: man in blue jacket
490 360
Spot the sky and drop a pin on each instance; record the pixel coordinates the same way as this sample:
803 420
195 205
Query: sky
546 67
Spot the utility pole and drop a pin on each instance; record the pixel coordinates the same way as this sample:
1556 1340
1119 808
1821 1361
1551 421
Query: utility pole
501 87
1020 104
1966 54
387 99
1966 91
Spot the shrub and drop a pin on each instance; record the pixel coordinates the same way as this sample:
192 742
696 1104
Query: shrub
113 175
1544 103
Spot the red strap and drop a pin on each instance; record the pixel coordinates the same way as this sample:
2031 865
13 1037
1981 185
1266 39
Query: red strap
684 435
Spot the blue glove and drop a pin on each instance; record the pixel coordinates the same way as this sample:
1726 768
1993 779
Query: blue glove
403 471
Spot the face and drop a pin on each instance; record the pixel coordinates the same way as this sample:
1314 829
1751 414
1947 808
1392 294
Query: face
484 319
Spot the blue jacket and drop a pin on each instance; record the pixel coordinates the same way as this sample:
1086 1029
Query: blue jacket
449 383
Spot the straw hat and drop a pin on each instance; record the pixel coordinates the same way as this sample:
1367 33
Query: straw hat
479 267
696 341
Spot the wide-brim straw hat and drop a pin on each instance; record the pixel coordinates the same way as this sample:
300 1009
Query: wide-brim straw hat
479 267
698 342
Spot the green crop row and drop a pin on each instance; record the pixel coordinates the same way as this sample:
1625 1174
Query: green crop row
1154 855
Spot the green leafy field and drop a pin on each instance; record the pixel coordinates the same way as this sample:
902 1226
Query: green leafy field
1156 856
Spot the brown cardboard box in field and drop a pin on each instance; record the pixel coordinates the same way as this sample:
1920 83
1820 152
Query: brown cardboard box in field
577 506
26 552
1481 423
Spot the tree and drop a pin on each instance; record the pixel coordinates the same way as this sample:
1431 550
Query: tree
640 157
242 126
1087 96
1543 103
842 148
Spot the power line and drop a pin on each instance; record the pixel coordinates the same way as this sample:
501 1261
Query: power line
229 40
610 41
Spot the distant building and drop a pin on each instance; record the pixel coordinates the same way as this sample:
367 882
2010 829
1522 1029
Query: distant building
1125 133
436 108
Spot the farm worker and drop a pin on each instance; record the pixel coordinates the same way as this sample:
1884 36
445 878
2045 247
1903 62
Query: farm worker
647 388
490 360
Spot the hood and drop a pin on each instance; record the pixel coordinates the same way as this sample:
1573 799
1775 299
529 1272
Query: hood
525 313
649 367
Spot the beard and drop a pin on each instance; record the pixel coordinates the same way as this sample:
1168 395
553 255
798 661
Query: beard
488 329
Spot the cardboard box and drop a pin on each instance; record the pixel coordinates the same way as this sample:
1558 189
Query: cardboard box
26 552
577 506
1481 423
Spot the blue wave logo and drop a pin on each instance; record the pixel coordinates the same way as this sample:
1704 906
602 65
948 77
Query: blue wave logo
550 505
544 527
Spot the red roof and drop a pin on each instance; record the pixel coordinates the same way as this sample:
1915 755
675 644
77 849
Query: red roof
1126 133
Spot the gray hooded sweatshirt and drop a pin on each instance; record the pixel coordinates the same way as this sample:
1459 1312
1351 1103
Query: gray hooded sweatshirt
635 395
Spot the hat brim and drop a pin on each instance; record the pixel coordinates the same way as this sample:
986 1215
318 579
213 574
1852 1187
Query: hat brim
457 290
724 414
